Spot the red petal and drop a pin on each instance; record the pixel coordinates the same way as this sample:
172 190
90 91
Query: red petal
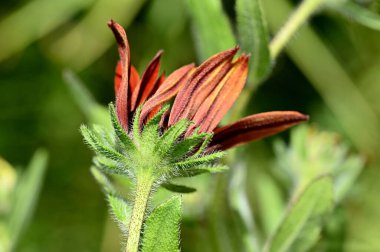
220 100
117 78
204 78
254 127
122 86
133 80
147 82
168 89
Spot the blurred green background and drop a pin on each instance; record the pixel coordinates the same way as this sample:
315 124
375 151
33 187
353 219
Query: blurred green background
330 70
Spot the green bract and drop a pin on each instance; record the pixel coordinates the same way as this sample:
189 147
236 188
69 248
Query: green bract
150 150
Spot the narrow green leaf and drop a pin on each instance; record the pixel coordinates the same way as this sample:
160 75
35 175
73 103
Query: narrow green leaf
254 38
26 194
93 111
119 131
178 188
103 180
303 214
121 210
110 166
212 29
358 14
161 230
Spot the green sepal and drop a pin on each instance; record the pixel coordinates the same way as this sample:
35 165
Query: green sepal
178 188
187 145
195 171
169 138
161 229
98 146
191 162
119 131
136 130
103 180
150 133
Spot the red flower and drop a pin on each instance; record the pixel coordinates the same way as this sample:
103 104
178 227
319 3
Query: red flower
202 94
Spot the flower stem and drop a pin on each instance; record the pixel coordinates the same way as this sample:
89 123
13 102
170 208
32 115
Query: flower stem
296 20
143 190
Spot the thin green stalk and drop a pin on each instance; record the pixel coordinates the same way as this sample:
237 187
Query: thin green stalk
296 20
143 190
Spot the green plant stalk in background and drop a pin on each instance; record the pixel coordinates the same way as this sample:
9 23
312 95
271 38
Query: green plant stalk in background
299 17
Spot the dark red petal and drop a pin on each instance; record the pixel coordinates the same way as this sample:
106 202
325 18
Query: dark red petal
254 127
147 82
168 89
220 100
188 98
121 87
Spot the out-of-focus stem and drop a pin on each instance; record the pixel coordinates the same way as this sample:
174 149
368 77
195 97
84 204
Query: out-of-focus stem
296 20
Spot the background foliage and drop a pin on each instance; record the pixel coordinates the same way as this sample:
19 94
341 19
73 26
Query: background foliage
330 70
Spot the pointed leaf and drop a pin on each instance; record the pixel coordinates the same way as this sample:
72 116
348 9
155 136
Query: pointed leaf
26 194
120 210
254 37
178 188
103 180
161 229
305 212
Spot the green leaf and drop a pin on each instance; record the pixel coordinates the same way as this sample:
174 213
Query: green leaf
254 37
303 215
212 29
121 210
103 180
358 14
26 194
178 188
161 231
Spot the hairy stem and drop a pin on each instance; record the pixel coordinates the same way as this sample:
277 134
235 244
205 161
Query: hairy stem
296 20
143 190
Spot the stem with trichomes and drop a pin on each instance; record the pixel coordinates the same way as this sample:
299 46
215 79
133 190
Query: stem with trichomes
143 191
